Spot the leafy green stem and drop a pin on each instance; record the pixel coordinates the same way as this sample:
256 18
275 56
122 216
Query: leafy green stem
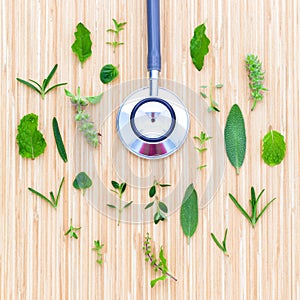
222 245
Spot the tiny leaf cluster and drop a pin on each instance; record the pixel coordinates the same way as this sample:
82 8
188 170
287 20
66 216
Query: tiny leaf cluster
98 247
202 138
72 231
118 27
213 105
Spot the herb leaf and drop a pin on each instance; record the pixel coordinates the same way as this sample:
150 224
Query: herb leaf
83 44
152 191
199 46
235 137
58 139
118 27
274 148
72 231
97 248
149 205
108 73
223 245
82 181
31 141
189 212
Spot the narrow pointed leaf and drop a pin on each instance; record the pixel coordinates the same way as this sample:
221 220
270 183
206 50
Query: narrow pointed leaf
216 241
29 85
264 209
48 79
240 208
127 204
55 86
163 207
149 205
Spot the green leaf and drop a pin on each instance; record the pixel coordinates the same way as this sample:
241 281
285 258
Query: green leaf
152 191
59 142
264 209
235 137
164 185
47 80
55 86
94 99
203 86
123 187
189 211
240 208
108 73
199 46
154 281
31 141
83 44
149 205
218 86
115 184
163 260
40 195
163 207
159 216
29 85
111 206
274 147
203 95
127 204
82 181
216 241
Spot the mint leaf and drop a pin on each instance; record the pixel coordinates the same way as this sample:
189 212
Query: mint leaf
31 141
199 46
83 44
108 73
274 148
235 137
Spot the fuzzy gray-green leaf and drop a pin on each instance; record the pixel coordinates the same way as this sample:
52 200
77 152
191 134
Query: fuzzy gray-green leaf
235 137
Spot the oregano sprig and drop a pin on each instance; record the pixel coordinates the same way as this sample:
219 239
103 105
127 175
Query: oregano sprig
213 105
118 27
159 264
253 202
42 88
202 138
161 207
222 245
119 189
72 231
98 247
256 77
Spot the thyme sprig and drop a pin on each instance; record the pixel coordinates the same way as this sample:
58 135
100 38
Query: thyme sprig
202 138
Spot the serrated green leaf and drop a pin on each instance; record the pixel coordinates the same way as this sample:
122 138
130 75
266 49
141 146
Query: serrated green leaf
152 191
274 148
189 211
82 181
83 44
235 137
149 205
31 141
163 207
108 73
199 46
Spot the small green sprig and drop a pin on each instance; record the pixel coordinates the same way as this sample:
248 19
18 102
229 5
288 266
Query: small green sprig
42 88
119 189
222 245
161 207
202 138
85 126
53 201
253 201
72 231
98 247
256 77
158 264
118 27
213 105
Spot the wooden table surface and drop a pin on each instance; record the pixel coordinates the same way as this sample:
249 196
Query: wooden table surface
38 262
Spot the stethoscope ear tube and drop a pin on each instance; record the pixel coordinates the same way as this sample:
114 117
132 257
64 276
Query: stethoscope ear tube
154 57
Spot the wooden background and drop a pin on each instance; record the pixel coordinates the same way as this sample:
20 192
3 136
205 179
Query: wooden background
38 262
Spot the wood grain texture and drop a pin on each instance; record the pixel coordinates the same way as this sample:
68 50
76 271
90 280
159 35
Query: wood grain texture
38 262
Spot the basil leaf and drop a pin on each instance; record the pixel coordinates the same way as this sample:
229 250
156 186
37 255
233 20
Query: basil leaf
31 141
189 212
83 44
235 137
274 148
108 73
199 46
82 181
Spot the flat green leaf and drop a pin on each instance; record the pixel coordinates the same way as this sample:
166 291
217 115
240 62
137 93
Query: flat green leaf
115 184
29 85
94 99
219 85
235 137
83 44
274 148
199 46
82 181
152 191
164 185
189 211
241 209
163 260
163 207
108 73
59 142
47 80
154 281
55 86
123 187
31 141
203 95
127 204
111 206
149 205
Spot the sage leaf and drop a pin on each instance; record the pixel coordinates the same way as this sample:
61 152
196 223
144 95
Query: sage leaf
274 148
82 181
189 212
235 137
199 46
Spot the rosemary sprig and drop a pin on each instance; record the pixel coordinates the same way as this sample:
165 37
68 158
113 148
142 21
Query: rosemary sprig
72 231
42 88
158 264
119 189
97 248
222 245
253 201
256 77
213 105
118 27
161 207
202 138
54 200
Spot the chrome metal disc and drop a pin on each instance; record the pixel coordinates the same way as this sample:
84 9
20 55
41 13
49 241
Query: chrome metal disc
152 127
